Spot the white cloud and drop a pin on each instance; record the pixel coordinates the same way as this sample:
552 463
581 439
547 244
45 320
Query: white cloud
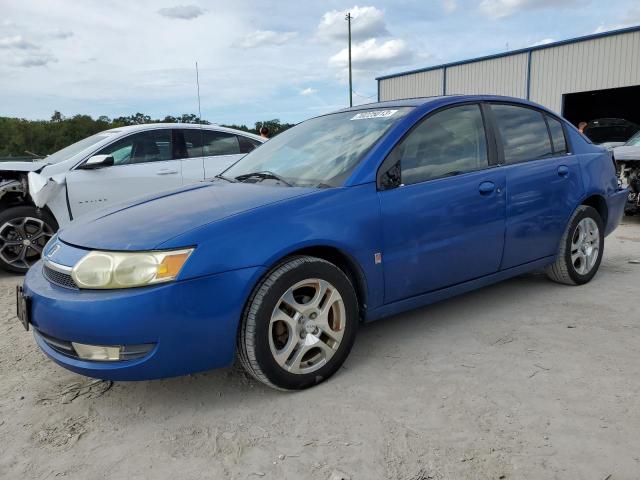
544 41
261 38
631 18
182 12
503 8
17 42
366 22
35 60
61 34
373 54
449 5
308 91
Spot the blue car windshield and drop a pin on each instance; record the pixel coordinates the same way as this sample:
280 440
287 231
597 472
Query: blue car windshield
320 152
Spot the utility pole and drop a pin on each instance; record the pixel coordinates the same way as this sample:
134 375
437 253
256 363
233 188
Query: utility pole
348 19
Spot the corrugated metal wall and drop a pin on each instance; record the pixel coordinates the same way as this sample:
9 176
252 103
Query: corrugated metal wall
595 64
498 76
422 84
608 62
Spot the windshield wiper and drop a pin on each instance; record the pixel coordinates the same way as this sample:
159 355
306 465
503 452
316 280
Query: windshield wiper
231 180
263 175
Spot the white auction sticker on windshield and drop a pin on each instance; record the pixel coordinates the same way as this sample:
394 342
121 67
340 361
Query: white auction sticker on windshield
373 114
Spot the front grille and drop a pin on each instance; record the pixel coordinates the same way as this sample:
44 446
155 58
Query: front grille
59 278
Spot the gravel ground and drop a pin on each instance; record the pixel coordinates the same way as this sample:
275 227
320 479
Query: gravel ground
524 379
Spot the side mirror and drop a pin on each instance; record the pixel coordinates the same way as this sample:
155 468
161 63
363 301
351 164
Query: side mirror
97 161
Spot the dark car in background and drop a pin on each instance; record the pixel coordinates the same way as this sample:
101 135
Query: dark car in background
610 132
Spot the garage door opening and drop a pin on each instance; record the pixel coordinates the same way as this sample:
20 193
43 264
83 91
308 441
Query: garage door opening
613 103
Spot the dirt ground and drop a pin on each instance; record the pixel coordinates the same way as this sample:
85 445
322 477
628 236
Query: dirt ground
524 379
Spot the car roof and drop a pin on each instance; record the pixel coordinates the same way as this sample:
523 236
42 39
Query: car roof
441 100
194 126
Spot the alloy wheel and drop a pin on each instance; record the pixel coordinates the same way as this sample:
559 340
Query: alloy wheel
307 326
585 246
22 240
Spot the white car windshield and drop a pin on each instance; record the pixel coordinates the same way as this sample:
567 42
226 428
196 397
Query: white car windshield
75 148
322 151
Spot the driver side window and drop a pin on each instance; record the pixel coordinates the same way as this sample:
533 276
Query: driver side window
143 147
449 142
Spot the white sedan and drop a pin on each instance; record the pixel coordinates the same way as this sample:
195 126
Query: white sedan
36 198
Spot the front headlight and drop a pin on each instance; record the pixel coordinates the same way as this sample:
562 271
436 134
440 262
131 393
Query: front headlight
105 270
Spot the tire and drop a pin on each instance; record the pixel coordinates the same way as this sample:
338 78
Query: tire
24 231
573 266
313 328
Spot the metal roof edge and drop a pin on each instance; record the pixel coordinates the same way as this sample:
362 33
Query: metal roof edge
593 36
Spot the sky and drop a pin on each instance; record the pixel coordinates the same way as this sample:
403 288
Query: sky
258 60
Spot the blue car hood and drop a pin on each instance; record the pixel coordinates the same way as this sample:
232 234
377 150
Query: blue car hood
149 222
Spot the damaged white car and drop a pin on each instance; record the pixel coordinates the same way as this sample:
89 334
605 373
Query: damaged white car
36 198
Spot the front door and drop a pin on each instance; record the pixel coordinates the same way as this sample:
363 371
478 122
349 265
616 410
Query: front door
445 223
143 164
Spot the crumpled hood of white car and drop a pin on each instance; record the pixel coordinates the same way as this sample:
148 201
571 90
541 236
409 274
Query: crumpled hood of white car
21 166
626 153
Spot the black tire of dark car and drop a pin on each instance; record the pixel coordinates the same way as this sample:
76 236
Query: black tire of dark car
563 269
24 231
254 349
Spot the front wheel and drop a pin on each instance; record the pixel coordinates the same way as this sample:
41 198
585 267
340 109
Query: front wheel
24 231
581 248
299 325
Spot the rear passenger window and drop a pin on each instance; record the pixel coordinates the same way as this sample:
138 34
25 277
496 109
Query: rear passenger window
524 133
219 143
449 142
192 142
247 144
557 136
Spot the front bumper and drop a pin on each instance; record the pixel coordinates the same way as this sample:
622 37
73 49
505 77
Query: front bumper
615 207
192 323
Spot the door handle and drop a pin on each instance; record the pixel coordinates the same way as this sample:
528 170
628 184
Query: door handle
166 171
563 170
485 188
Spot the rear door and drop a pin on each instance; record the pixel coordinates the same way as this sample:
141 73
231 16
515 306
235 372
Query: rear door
443 221
220 150
542 181
144 164
209 152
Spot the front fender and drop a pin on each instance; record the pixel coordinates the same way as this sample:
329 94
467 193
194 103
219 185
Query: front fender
346 219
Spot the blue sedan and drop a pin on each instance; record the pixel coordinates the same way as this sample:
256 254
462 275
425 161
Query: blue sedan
345 218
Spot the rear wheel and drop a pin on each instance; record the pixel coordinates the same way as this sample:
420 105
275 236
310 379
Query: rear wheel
299 325
581 248
24 231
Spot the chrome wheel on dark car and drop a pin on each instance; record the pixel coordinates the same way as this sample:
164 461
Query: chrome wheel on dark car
23 234
299 325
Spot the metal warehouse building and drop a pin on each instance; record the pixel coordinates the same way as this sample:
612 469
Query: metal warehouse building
585 78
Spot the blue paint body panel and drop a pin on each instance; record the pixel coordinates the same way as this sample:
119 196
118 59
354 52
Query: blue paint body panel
437 239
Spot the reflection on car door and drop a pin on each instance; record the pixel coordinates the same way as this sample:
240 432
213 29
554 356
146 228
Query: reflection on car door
144 164
543 182
445 223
